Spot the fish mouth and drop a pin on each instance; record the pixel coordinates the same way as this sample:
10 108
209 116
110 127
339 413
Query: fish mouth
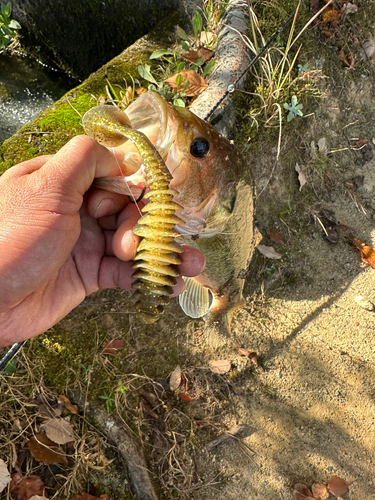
152 116
160 123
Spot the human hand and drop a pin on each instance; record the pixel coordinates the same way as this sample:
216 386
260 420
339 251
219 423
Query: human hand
61 241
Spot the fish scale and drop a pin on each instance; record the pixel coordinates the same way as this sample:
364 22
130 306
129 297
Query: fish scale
155 272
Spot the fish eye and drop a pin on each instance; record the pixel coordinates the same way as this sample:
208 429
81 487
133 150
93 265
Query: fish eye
199 147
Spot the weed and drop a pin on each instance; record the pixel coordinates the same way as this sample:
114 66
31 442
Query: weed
110 402
294 108
8 28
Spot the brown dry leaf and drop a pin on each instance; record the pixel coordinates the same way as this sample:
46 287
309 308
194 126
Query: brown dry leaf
367 253
49 406
141 90
252 355
220 366
328 33
201 53
187 396
68 405
46 451
113 346
319 491
196 83
301 176
346 58
4 475
268 252
59 431
276 237
87 496
175 380
338 486
24 488
301 492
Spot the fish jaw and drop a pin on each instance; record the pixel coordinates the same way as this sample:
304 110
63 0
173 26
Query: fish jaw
201 183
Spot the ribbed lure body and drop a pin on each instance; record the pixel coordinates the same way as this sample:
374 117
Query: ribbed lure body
156 258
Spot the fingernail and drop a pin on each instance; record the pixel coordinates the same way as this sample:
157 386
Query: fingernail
105 207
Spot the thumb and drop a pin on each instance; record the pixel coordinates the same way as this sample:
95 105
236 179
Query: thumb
71 171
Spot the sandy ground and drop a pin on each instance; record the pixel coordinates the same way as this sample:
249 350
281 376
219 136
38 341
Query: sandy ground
311 406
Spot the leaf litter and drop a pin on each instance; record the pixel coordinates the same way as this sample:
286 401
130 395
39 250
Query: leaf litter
4 475
59 431
269 252
27 487
45 450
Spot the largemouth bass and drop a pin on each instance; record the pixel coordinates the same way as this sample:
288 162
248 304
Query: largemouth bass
216 203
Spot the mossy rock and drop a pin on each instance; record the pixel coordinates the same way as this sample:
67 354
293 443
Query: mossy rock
52 128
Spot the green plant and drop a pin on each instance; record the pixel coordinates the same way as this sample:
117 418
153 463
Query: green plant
110 402
293 108
185 55
276 77
8 28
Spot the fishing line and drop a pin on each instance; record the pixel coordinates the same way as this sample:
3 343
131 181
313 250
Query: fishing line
232 87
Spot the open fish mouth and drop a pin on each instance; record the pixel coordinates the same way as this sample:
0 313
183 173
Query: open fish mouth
161 124
150 115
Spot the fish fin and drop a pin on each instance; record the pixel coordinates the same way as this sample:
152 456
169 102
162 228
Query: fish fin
195 300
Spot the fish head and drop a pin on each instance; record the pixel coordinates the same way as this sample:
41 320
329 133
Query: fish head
204 165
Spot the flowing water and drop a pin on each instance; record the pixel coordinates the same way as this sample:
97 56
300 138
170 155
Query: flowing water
26 89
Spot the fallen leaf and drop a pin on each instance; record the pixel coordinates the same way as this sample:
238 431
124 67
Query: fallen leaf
301 176
141 90
220 366
46 451
4 475
187 396
207 37
367 252
49 406
68 405
367 50
201 53
113 346
252 355
349 8
24 488
276 237
175 380
346 58
59 431
87 496
301 492
268 252
319 491
196 83
328 33
338 486
322 145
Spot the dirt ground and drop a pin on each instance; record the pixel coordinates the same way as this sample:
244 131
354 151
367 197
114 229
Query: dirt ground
308 408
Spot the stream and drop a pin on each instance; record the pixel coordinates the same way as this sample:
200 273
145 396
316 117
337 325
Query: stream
26 89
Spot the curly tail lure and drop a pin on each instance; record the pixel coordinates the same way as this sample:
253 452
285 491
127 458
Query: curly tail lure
156 258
